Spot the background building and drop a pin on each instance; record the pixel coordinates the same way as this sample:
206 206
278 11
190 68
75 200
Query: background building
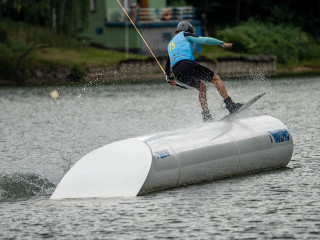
109 26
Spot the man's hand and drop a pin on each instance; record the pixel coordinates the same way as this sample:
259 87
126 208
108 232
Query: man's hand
172 83
226 45
170 80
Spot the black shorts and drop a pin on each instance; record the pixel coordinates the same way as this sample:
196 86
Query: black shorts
191 73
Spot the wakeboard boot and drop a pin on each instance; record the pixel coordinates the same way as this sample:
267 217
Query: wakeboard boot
232 106
206 116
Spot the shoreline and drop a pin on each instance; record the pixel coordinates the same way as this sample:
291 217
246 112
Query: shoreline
156 78
136 71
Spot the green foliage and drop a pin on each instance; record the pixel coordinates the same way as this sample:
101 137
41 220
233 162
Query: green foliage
288 43
3 35
17 37
9 50
64 16
71 15
221 13
51 50
176 3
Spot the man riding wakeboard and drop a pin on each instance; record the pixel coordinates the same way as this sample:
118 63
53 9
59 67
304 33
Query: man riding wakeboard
182 65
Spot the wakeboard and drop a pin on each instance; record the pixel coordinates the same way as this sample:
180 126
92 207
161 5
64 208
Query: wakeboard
243 107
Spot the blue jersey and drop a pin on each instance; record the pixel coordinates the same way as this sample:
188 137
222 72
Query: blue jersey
180 48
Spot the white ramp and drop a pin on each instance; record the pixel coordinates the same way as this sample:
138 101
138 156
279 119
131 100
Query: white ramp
118 169
186 156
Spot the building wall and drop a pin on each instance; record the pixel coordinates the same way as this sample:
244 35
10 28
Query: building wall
111 33
157 3
96 31
158 39
115 38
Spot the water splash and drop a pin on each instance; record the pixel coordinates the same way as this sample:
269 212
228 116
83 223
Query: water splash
257 81
24 185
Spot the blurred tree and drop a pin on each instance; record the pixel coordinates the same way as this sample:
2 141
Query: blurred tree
63 16
66 16
223 13
304 14
176 3
71 15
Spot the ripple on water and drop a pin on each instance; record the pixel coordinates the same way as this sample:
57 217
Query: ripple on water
41 138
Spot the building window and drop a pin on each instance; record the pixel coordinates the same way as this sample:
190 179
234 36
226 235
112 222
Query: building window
93 5
99 31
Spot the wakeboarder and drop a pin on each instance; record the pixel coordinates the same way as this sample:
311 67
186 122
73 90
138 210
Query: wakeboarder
181 65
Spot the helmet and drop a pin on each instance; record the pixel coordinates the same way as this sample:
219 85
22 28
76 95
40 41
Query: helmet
185 26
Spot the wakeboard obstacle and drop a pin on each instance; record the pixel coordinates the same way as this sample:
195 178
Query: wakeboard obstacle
171 159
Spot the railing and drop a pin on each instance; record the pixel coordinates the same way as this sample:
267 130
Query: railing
142 15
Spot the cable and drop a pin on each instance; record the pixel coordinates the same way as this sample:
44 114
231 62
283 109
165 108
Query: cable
142 37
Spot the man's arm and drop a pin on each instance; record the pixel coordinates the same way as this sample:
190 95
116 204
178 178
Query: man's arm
169 74
205 40
167 67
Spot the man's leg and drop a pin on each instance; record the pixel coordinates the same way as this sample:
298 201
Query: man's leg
230 105
216 80
203 102
203 96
